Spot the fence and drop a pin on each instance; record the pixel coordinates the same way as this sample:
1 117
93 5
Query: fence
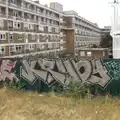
42 74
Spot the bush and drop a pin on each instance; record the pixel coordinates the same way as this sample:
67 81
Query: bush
78 90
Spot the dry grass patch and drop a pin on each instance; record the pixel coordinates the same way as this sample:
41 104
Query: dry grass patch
32 106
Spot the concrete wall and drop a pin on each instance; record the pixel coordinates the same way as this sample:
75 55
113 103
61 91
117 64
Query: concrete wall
70 41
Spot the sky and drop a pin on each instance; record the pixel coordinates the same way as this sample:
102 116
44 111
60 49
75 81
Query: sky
96 11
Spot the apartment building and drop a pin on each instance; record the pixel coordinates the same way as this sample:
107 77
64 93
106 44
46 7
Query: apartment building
27 27
86 34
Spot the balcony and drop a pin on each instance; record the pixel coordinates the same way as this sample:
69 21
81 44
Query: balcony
40 13
14 5
15 18
30 20
29 9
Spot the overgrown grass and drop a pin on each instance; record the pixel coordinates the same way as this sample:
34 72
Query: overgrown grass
18 105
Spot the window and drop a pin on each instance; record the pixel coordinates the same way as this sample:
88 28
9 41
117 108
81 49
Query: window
49 38
38 10
19 36
2 50
18 25
18 48
57 30
89 54
31 26
50 46
15 24
82 53
45 37
10 24
1 23
27 47
29 6
26 25
11 36
15 13
53 30
2 36
33 37
12 49
49 29
41 28
32 47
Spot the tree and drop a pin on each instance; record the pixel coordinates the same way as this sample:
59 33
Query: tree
106 41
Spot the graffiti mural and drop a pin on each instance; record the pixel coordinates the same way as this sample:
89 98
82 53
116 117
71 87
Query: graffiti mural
6 67
64 71
114 69
51 71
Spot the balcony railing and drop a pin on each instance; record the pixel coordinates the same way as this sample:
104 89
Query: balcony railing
30 20
15 18
28 9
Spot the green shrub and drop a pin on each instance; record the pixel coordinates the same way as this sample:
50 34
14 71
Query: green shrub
78 90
